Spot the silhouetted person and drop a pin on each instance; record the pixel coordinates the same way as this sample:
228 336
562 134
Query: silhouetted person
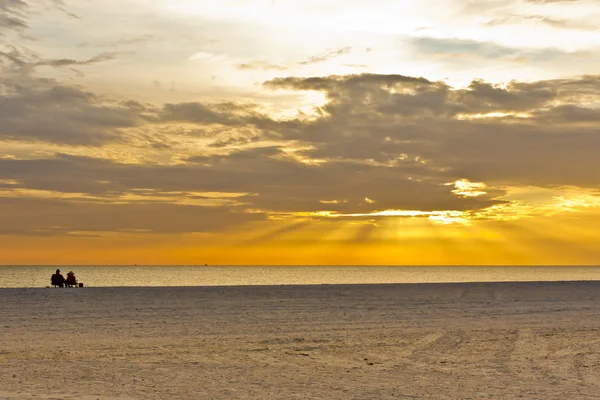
71 281
57 279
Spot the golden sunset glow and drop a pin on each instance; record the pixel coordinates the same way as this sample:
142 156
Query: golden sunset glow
299 132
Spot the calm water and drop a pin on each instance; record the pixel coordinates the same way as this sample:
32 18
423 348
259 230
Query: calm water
94 276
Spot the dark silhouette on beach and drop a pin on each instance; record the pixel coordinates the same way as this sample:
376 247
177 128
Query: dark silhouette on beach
71 281
57 280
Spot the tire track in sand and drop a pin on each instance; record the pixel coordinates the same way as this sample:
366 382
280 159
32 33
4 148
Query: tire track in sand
529 353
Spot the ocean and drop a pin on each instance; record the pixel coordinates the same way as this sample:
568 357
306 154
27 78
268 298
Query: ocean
106 276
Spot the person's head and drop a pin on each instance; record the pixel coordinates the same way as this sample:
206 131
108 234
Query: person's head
58 271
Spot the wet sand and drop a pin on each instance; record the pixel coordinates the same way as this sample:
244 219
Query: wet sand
438 341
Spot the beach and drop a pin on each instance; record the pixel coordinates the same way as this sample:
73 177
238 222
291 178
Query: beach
533 340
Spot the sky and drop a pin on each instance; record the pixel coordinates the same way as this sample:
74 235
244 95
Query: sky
299 132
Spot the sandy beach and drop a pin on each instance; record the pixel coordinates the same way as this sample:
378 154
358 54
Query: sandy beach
438 341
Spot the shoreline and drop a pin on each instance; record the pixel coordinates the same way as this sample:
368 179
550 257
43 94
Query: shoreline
39 277
308 285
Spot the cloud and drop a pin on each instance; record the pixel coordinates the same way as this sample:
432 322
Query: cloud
42 110
12 16
381 145
328 55
277 183
459 47
382 125
36 109
50 217
331 83
10 22
380 142
26 61
464 51
473 132
63 62
15 13
553 1
134 40
260 65
514 19
211 113
234 141
11 5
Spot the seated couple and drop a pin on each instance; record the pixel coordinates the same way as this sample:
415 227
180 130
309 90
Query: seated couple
57 280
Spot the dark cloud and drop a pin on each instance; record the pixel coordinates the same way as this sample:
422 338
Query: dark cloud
383 117
45 111
235 141
378 124
35 109
199 113
273 181
50 217
227 114
396 140
481 96
524 154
